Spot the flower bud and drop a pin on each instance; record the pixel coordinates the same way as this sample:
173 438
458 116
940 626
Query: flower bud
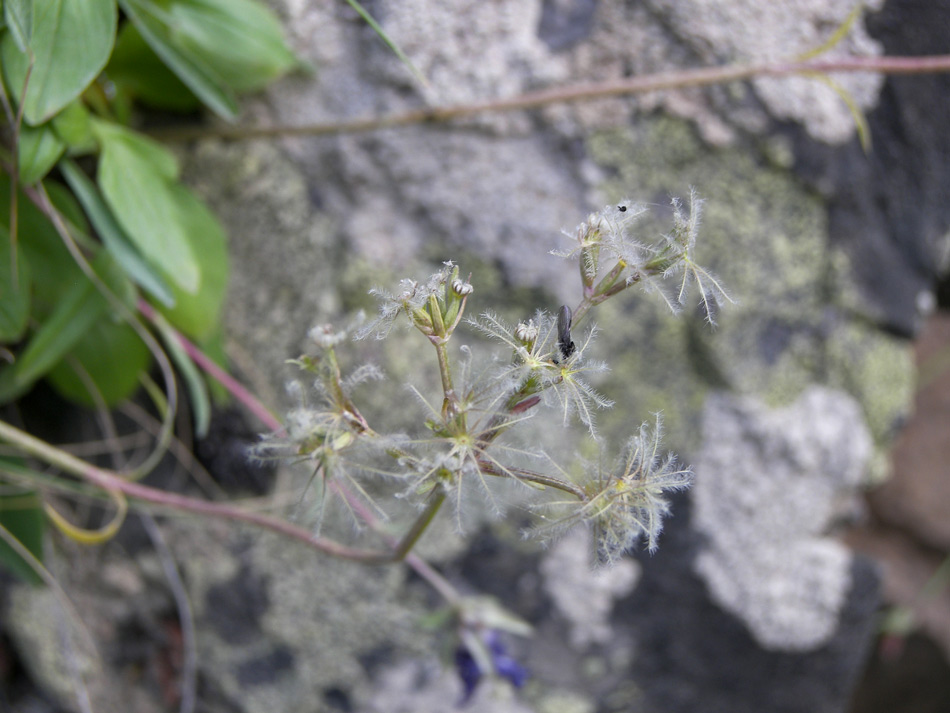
461 287
527 334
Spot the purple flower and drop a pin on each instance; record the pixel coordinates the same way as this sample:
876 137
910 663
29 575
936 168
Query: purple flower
502 664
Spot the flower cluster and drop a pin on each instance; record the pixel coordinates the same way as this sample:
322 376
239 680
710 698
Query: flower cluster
606 248
547 364
624 501
538 371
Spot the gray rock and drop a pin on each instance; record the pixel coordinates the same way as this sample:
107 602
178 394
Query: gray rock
768 485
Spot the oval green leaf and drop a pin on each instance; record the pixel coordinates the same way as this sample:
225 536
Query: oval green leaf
70 44
138 179
114 238
197 314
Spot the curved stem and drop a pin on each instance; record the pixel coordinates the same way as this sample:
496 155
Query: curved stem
108 481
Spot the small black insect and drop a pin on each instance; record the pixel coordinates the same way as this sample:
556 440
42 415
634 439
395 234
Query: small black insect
622 208
564 343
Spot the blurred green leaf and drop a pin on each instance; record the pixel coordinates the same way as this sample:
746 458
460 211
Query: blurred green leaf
114 238
54 269
74 126
14 291
21 514
156 26
137 70
240 40
138 179
198 314
40 149
71 43
77 311
112 356
18 15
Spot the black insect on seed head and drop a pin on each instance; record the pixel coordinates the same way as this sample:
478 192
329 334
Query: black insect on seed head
622 208
564 343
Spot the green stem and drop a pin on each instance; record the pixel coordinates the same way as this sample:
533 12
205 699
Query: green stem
422 522
444 370
529 476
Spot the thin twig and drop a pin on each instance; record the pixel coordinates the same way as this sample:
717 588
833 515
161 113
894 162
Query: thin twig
661 81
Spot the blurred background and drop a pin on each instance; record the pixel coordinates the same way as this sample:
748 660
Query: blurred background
806 570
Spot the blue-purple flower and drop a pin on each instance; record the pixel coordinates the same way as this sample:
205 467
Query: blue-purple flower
485 656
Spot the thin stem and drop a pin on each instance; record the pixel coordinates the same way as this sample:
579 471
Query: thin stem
233 386
530 476
450 403
582 309
420 566
584 92
110 482
447 389
419 527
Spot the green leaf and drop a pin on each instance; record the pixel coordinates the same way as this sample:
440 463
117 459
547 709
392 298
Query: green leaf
53 268
14 291
241 41
155 25
81 307
74 126
198 314
137 70
71 43
114 238
21 515
112 356
138 179
18 15
40 149
78 310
